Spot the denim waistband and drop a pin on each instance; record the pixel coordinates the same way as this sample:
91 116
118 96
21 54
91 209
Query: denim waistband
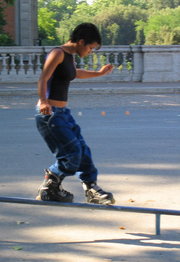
60 109
56 109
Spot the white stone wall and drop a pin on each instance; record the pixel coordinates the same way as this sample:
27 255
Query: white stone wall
161 63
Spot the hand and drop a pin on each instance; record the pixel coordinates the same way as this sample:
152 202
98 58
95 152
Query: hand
45 108
106 69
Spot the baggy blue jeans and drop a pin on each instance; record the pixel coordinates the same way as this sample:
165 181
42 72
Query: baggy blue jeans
63 137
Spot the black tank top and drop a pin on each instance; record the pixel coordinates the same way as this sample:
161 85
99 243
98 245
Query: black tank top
58 84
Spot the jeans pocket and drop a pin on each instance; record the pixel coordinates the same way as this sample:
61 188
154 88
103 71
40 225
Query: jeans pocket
45 132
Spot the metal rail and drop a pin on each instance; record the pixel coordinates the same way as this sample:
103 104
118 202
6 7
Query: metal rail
157 212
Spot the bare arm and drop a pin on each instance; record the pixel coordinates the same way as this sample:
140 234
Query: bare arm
54 58
81 73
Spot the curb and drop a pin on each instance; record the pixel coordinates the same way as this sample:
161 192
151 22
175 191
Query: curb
84 91
127 90
28 89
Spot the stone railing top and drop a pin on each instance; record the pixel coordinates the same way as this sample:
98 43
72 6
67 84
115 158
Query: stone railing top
109 48
41 49
160 48
21 49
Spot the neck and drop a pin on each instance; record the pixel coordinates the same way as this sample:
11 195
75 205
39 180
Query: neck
69 47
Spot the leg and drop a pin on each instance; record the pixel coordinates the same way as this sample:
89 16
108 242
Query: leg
51 189
88 176
68 147
57 131
87 170
63 137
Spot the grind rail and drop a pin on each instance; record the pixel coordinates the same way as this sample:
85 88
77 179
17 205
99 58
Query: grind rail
157 212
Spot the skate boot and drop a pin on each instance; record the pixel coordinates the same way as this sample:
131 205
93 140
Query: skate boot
97 195
51 189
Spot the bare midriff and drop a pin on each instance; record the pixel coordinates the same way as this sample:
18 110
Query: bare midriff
57 103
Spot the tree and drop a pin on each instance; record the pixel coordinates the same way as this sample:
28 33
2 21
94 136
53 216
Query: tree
47 26
3 5
117 24
83 13
119 21
140 37
162 4
50 13
58 7
5 39
162 28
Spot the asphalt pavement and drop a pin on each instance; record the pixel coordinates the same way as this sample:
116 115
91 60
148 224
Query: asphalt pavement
97 87
134 138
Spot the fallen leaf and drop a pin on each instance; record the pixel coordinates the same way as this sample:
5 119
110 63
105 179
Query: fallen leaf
122 228
131 200
17 248
103 113
20 222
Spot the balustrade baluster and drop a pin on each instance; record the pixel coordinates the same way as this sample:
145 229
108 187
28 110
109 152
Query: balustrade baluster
38 64
81 64
98 61
107 58
127 74
30 65
4 70
90 62
124 63
21 65
12 70
116 64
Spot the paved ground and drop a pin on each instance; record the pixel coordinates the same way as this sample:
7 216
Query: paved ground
135 144
98 88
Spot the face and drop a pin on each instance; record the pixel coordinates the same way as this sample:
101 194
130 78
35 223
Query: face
85 50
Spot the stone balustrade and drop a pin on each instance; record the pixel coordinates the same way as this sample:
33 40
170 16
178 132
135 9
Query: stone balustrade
131 63
161 63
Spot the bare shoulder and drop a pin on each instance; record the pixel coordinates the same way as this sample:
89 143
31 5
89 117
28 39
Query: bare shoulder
57 50
56 55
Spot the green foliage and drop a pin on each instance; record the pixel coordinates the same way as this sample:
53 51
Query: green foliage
47 26
59 7
50 13
162 4
176 37
83 13
117 24
10 2
162 28
5 39
2 20
121 22
112 33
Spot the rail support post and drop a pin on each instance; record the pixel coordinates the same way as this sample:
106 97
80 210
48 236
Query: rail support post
158 221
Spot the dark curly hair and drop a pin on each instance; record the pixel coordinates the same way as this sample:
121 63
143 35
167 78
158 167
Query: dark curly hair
86 31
